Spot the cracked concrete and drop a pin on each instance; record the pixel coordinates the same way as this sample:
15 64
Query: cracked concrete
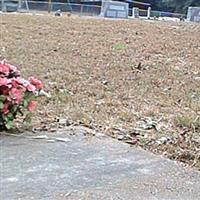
90 168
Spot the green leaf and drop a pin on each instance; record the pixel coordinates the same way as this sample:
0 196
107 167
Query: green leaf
9 124
28 120
1 104
2 98
8 118
25 103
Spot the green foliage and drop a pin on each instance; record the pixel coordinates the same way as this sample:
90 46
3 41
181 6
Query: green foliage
119 46
179 6
186 121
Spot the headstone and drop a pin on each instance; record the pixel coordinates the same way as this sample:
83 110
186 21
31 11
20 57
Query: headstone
8 6
11 7
135 12
193 14
114 9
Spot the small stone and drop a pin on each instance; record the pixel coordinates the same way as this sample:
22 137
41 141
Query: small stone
62 139
162 140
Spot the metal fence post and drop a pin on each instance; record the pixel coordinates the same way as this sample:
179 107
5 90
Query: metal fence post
49 6
2 6
149 13
81 9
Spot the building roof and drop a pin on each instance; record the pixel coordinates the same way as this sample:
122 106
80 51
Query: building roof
138 2
128 1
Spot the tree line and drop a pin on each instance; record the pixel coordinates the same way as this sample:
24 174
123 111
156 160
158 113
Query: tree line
179 6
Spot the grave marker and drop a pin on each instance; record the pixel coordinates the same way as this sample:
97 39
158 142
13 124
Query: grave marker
193 14
114 9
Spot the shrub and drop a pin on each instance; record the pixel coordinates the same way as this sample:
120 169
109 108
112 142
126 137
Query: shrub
17 95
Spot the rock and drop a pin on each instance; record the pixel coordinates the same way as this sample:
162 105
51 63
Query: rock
58 13
147 123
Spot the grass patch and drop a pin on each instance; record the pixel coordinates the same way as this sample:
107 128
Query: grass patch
186 121
119 47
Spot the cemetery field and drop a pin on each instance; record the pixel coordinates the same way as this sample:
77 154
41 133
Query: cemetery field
135 80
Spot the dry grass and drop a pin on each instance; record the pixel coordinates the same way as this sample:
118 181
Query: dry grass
109 74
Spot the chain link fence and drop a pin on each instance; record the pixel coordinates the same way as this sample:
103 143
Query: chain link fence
166 14
74 8
43 6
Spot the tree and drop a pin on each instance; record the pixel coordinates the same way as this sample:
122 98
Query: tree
180 6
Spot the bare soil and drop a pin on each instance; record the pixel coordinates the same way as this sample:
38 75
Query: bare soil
138 81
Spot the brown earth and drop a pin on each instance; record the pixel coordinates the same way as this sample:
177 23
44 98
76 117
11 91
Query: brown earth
135 80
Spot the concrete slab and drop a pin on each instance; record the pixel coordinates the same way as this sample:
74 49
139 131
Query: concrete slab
89 168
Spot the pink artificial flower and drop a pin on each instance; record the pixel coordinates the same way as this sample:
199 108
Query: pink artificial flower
23 83
4 81
4 90
31 88
11 68
5 109
4 69
37 83
15 83
16 95
32 106
8 70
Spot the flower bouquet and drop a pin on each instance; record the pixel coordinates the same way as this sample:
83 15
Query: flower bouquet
17 95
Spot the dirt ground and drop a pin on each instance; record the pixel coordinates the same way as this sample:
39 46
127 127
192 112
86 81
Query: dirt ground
135 80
